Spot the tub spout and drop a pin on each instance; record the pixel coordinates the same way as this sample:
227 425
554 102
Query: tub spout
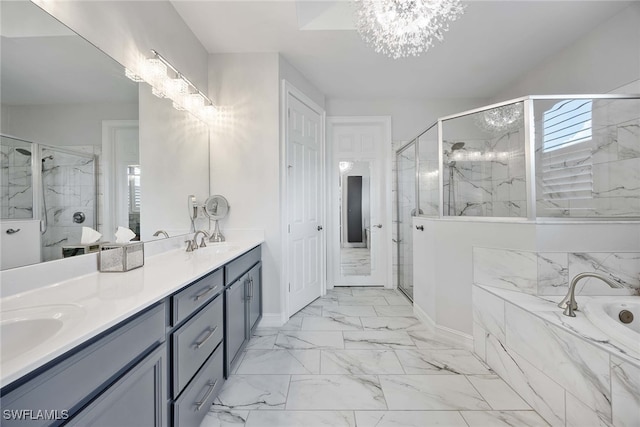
569 301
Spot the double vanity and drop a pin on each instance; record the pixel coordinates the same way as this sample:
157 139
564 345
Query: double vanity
150 347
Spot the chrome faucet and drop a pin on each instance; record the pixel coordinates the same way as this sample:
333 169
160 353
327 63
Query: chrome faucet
159 232
195 239
569 301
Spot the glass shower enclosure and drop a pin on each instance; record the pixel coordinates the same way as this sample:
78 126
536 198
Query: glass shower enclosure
53 185
532 159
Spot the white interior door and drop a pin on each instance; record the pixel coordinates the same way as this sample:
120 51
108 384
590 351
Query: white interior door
305 207
360 148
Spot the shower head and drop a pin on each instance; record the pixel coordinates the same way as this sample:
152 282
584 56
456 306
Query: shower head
457 146
23 152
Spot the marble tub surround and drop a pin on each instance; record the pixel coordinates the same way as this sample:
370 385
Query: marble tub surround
105 299
565 368
392 371
549 273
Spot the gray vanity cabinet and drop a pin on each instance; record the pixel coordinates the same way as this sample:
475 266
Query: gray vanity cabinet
243 303
136 399
235 321
89 373
254 297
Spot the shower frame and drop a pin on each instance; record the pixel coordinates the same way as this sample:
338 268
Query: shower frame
530 165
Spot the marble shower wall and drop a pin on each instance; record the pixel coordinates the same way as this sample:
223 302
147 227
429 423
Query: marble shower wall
567 378
611 158
488 176
549 273
16 190
70 186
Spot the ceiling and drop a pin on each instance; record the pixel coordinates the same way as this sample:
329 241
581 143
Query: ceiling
44 63
493 44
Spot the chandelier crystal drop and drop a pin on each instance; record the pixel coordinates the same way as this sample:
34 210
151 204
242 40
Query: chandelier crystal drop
501 119
402 28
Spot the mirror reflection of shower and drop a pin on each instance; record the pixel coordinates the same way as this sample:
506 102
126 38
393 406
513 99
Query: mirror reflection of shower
452 167
45 221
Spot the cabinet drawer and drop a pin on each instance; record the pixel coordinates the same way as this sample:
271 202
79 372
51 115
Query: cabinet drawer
241 265
196 295
78 378
195 402
194 341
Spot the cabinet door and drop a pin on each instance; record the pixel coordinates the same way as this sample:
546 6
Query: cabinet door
235 325
255 296
136 399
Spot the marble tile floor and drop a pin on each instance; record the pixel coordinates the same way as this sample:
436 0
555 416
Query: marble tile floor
357 357
355 261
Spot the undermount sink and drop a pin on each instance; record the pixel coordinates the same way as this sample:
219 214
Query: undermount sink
219 248
24 329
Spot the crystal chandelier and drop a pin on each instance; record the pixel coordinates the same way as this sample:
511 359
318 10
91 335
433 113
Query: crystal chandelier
401 28
501 119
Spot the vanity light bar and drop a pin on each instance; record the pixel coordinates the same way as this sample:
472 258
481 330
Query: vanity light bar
179 89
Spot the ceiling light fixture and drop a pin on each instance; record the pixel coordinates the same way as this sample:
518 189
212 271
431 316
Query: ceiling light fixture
184 94
401 28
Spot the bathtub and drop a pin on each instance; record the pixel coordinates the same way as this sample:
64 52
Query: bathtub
604 313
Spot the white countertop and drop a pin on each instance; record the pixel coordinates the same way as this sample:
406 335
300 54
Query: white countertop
98 301
545 307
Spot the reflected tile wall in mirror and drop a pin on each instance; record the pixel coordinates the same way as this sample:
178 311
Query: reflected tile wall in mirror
16 197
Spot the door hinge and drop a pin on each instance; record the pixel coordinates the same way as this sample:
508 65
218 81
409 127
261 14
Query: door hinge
289 287
288 112
289 228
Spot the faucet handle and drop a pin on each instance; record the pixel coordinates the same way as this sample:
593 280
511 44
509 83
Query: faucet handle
189 245
202 243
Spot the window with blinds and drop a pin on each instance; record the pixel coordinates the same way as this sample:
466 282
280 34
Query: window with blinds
567 123
566 161
133 172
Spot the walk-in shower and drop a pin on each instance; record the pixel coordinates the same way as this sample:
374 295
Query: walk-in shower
526 159
53 185
45 220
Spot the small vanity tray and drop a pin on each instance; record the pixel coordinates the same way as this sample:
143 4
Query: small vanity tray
119 257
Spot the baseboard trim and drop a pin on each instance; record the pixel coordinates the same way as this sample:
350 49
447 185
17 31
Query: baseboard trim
271 320
443 332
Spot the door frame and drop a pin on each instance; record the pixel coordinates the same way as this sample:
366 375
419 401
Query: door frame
333 230
288 90
109 160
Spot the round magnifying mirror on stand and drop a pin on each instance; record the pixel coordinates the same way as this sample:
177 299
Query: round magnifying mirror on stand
216 207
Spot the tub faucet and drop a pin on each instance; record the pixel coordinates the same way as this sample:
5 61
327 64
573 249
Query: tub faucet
195 239
569 301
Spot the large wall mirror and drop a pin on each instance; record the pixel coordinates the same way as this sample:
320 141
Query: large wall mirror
83 146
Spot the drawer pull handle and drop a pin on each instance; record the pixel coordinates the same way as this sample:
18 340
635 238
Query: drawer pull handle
12 230
205 292
212 386
210 333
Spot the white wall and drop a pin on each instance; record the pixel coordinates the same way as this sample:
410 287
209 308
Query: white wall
66 125
409 117
128 30
605 59
174 160
445 260
297 79
245 155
